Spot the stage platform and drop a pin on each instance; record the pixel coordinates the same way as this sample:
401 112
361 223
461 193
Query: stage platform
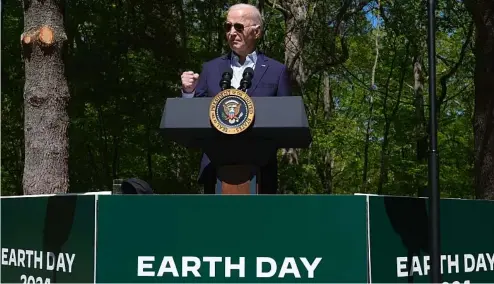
106 238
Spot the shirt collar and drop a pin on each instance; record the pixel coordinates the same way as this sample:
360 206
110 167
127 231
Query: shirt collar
250 59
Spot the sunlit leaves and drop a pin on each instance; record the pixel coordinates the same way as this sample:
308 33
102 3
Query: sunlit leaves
125 58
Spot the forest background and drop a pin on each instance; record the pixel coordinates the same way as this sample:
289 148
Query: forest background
360 66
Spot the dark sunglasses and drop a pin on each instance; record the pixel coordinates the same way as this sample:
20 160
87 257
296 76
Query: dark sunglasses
237 26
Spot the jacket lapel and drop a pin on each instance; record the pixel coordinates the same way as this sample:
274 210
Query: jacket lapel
225 63
261 67
222 67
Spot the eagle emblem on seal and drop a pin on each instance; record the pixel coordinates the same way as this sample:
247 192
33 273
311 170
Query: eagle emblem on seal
231 111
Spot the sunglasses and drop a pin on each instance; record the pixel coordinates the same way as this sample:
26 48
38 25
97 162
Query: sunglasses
237 26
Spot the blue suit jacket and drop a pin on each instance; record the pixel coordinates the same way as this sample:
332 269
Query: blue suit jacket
271 78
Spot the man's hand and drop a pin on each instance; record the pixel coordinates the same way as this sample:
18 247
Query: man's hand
189 81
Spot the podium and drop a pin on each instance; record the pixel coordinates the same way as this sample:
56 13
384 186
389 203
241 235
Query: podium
237 159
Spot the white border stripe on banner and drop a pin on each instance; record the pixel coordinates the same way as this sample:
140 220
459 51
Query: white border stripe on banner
61 194
95 236
369 265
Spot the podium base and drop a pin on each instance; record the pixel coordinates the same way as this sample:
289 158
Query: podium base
237 179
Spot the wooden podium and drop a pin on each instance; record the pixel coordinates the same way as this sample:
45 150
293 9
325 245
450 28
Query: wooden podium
237 179
242 163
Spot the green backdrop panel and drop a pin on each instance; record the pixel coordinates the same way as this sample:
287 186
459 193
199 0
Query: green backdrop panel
231 239
48 239
399 240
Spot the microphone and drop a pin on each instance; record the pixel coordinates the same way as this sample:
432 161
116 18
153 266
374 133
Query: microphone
246 81
226 79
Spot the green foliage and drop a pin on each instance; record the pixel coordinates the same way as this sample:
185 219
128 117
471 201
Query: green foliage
12 100
125 58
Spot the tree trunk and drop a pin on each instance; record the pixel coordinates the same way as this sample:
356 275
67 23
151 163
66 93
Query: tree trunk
295 18
149 148
46 96
365 182
299 18
294 21
383 173
326 171
420 132
183 24
482 12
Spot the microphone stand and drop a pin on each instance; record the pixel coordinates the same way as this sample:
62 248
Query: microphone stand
244 85
225 82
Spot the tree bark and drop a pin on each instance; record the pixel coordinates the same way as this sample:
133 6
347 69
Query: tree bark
389 120
365 182
295 18
420 133
383 173
325 171
46 96
482 12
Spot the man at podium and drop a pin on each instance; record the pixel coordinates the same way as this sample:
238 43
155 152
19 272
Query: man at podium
243 29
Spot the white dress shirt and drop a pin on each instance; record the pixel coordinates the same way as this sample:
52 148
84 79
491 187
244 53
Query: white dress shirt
238 70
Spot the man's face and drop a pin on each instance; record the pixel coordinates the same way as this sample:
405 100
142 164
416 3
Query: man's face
241 31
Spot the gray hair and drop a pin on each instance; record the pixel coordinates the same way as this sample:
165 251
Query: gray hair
256 15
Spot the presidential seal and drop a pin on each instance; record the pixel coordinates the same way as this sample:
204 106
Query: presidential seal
231 111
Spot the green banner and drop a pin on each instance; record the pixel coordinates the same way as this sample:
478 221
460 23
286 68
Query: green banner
175 238
400 248
48 239
200 238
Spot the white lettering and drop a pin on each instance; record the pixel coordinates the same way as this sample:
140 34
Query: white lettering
141 266
490 259
289 266
416 266
229 267
5 253
311 267
38 259
453 263
401 266
466 259
212 266
29 255
259 263
34 259
481 263
168 265
12 260
194 268
443 258
426 264
50 261
30 279
60 263
421 265
21 256
70 260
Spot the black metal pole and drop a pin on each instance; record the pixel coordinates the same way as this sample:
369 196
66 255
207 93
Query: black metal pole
434 237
